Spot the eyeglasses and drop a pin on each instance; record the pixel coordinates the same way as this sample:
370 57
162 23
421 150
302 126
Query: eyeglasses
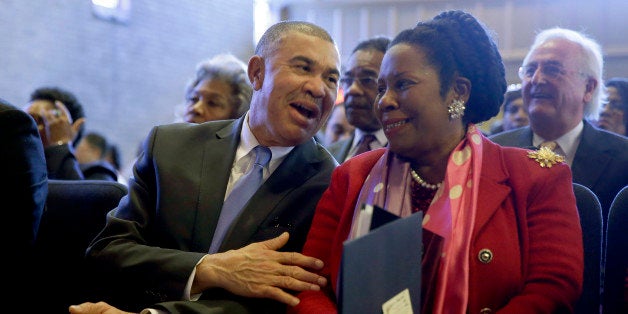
368 82
550 71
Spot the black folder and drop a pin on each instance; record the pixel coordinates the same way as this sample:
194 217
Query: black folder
382 264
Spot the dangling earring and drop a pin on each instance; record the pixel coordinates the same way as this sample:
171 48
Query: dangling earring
456 109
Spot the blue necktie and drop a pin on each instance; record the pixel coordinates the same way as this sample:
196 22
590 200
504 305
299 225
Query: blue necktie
240 195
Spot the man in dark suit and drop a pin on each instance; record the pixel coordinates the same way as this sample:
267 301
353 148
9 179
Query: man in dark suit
359 83
23 191
562 84
155 243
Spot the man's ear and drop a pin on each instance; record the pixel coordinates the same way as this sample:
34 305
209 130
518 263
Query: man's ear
590 88
256 71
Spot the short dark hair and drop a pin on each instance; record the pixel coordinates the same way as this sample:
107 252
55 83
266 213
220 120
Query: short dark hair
455 42
510 96
379 43
68 99
621 84
266 44
97 140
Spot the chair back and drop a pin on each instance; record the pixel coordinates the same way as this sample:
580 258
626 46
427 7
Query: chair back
75 213
590 212
616 261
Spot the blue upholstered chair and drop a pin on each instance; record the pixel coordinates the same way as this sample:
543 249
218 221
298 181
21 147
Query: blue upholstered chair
590 212
616 262
75 212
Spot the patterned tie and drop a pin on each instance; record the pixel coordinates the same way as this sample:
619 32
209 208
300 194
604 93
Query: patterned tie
239 196
549 144
553 146
365 144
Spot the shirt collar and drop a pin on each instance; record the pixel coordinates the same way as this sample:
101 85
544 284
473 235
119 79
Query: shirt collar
248 141
568 142
379 136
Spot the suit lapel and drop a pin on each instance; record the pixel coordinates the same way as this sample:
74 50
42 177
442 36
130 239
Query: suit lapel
524 138
344 150
218 155
493 190
590 151
296 169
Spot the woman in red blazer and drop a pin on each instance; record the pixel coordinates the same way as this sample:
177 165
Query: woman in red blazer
501 231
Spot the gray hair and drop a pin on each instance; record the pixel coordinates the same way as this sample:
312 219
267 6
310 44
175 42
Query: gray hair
267 44
228 68
592 62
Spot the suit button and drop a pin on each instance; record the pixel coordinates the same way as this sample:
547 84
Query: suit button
486 310
485 256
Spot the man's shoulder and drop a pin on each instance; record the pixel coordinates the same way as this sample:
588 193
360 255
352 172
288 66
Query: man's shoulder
511 137
194 127
319 154
594 138
339 144
192 131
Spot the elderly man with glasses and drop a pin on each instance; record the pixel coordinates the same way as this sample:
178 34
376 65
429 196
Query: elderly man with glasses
562 85
359 83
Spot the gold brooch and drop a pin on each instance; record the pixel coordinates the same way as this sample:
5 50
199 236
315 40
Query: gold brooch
546 157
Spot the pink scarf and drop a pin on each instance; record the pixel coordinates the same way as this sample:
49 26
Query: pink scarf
451 214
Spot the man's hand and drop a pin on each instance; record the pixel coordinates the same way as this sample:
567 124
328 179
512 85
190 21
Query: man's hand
95 308
258 270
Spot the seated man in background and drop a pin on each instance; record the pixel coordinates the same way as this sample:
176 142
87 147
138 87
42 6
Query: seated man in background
23 190
90 153
359 83
61 122
178 240
561 84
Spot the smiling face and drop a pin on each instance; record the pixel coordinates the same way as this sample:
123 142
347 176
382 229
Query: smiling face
409 104
295 88
555 104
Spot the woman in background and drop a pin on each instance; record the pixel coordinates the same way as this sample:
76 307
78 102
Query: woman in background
614 115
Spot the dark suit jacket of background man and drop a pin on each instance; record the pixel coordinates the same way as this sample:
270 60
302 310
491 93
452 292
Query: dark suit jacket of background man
189 194
340 149
600 163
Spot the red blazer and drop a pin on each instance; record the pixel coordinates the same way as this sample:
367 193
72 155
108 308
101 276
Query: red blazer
527 218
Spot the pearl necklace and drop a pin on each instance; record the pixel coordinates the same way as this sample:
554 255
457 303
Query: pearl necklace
422 182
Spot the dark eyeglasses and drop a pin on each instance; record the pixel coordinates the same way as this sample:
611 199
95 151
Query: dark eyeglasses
550 71
369 82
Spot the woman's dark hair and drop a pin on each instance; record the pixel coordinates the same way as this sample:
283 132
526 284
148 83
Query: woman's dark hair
456 43
621 84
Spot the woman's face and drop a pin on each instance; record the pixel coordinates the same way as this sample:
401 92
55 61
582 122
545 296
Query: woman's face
211 99
409 104
612 115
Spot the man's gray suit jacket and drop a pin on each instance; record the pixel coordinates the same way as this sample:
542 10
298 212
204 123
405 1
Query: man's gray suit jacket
159 232
600 163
